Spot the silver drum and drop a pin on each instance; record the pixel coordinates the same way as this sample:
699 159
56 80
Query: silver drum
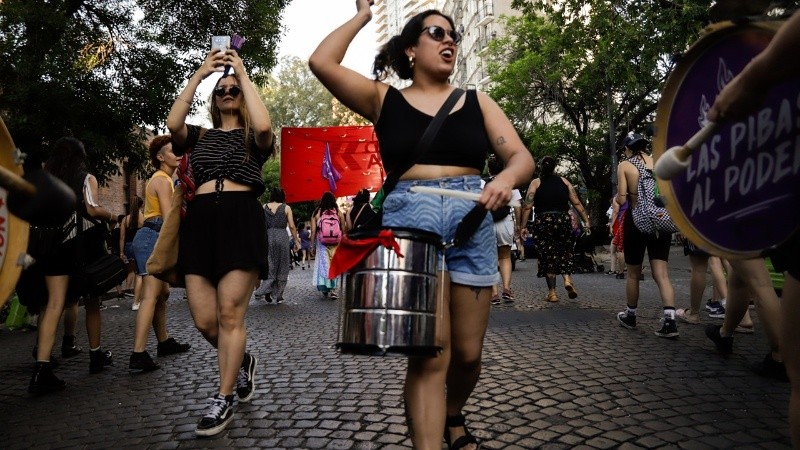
389 303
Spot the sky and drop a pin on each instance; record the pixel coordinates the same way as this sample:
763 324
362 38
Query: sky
305 24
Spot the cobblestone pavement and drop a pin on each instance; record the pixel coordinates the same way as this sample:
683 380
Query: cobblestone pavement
555 376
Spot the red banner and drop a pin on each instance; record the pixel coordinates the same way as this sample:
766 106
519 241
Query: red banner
352 162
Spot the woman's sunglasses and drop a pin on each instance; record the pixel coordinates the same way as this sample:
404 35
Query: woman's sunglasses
437 33
233 91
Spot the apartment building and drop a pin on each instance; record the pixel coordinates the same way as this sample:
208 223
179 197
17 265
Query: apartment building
475 19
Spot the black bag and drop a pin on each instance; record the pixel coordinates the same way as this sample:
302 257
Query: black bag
501 214
99 276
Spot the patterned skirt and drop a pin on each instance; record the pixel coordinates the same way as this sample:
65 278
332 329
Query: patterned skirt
552 235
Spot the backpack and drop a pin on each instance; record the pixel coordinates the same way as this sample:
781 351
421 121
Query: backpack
330 233
648 216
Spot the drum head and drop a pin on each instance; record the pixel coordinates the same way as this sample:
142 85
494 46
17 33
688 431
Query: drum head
13 231
740 194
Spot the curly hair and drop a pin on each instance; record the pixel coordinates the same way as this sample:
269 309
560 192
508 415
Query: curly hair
548 164
67 158
155 147
392 55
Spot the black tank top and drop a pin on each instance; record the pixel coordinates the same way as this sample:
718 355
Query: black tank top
552 195
461 141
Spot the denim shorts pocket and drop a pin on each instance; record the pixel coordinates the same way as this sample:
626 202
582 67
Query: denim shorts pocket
396 202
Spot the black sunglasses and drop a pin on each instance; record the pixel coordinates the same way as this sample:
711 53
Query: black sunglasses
233 91
437 33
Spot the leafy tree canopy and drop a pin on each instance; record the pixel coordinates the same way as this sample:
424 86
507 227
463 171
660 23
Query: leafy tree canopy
565 72
106 70
295 98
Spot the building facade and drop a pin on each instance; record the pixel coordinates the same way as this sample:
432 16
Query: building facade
476 20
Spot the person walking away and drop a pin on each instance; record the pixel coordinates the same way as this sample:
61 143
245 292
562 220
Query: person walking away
128 228
153 306
425 52
326 233
67 162
505 231
552 196
636 242
223 248
278 216
305 246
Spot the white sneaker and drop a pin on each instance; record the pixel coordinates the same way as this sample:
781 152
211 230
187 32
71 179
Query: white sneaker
135 306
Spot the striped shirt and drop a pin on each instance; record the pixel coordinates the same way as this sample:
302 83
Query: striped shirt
221 155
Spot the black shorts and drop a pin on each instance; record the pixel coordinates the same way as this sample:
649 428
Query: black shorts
786 258
223 232
637 242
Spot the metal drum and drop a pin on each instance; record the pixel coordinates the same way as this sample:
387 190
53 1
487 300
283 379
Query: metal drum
389 302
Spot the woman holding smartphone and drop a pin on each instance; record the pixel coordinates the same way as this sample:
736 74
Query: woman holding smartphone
223 248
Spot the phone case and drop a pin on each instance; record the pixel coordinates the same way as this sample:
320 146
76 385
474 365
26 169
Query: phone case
220 42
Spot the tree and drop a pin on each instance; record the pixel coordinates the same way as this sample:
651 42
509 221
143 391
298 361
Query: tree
105 71
566 72
295 98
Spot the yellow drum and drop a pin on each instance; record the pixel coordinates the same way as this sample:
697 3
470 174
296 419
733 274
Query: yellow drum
13 230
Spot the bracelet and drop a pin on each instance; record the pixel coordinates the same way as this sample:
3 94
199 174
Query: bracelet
184 101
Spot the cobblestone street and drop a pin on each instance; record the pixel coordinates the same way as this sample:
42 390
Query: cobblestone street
555 376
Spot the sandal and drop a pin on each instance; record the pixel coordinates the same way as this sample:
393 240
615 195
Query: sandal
463 441
743 329
683 315
551 297
571 292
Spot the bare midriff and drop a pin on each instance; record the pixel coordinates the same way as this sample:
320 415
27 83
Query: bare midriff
227 185
430 172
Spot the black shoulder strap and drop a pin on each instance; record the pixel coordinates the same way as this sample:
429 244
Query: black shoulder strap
424 142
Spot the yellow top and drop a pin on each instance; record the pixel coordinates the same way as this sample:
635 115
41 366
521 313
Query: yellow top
151 206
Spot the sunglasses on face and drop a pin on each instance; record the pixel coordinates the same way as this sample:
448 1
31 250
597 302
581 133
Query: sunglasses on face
438 33
233 91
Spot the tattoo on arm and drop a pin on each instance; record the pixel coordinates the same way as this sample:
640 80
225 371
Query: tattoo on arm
529 198
500 141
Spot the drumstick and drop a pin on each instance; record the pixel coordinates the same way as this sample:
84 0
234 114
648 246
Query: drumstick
16 183
676 159
474 196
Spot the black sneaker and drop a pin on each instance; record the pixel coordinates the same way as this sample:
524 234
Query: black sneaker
142 362
68 347
218 416
43 380
171 347
99 360
627 320
724 344
771 368
245 382
54 362
669 329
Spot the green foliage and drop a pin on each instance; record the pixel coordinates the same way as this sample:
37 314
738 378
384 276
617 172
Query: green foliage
565 69
104 71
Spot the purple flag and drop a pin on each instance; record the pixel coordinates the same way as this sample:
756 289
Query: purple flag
328 171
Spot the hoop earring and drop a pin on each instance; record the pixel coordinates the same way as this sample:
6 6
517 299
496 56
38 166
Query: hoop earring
411 62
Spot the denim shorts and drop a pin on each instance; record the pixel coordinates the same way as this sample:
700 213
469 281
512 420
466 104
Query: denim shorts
144 242
473 263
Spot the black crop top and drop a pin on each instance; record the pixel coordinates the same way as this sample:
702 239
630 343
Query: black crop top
461 141
221 154
552 195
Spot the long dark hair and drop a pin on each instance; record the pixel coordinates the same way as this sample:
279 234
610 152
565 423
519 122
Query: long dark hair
328 201
133 221
392 55
67 159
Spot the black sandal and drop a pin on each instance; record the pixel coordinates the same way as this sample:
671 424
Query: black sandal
463 441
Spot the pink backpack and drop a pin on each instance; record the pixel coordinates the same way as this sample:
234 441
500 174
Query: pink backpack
330 233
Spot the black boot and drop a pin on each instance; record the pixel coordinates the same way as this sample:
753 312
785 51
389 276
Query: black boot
141 363
68 347
171 347
43 380
54 362
99 359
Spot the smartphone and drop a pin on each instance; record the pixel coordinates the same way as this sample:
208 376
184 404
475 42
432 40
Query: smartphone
220 42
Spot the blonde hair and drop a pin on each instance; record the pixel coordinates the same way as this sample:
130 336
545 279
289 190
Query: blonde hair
244 117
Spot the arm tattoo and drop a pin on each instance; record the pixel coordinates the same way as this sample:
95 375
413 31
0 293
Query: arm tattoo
529 198
500 141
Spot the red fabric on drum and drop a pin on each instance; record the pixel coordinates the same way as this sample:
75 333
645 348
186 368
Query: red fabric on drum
351 251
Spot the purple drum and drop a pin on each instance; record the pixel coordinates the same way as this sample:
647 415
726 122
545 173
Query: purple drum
740 194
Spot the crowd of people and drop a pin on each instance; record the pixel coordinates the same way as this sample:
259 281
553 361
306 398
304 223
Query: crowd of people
232 247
